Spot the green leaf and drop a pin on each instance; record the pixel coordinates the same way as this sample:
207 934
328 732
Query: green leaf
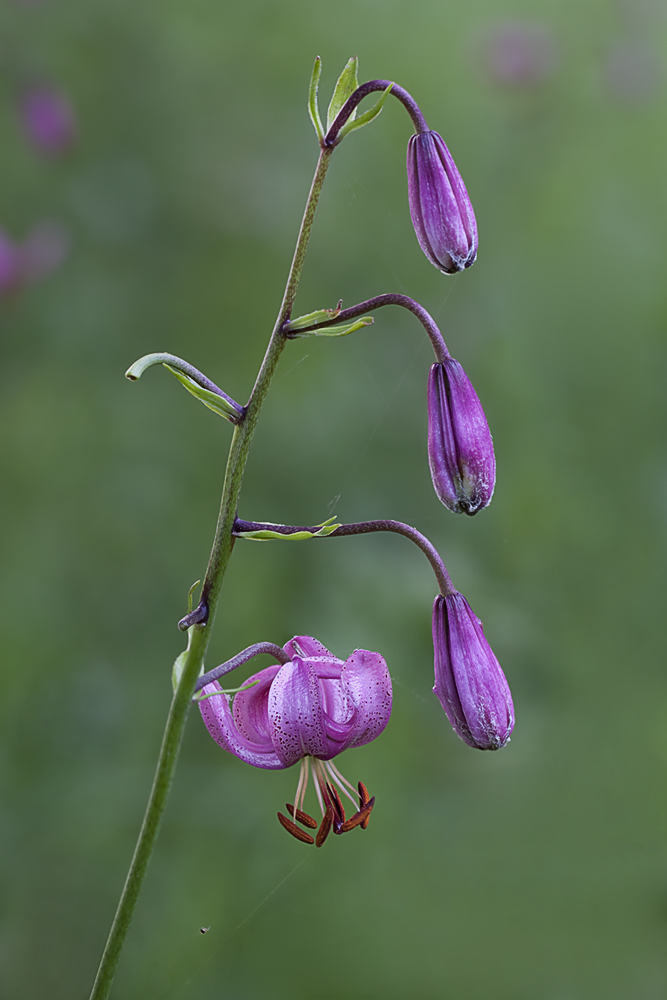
367 116
337 330
266 535
312 99
310 319
214 402
346 85
244 687
191 592
217 401
177 670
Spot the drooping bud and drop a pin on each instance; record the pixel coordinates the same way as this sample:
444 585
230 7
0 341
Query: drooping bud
48 119
441 210
460 448
469 681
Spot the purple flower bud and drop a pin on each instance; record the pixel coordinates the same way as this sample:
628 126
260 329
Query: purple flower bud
469 681
460 448
439 205
48 119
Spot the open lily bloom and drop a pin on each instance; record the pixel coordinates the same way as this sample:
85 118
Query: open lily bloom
309 709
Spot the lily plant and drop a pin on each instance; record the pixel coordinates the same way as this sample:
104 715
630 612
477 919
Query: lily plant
311 706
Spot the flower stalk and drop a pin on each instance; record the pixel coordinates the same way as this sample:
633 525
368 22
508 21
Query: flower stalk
388 299
200 621
333 137
366 528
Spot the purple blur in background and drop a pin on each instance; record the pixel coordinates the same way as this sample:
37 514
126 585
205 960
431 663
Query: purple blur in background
521 53
441 211
314 705
460 448
44 249
8 264
41 252
469 681
48 119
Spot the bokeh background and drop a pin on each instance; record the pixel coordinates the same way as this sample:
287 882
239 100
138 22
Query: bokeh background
154 206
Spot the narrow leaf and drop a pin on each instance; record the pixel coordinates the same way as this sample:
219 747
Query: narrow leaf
214 402
177 670
345 87
367 116
244 687
266 535
337 330
313 110
310 319
194 381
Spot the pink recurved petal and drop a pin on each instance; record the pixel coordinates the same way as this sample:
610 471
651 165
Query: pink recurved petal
307 646
217 715
250 708
366 679
296 713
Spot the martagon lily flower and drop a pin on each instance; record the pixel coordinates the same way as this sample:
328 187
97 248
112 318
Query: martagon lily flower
310 709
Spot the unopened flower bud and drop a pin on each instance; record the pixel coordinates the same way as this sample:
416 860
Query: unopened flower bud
469 681
460 449
439 205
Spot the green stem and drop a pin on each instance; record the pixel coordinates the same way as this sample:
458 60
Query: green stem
199 634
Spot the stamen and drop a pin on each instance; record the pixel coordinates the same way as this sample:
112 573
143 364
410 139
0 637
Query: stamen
363 799
359 818
303 783
325 827
294 830
339 779
319 784
338 774
302 817
339 812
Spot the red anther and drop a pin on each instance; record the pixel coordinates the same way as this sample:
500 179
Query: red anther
364 798
325 827
359 818
339 812
302 817
294 830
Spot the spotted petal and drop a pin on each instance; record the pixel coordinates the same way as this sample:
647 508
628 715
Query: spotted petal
220 723
366 680
296 713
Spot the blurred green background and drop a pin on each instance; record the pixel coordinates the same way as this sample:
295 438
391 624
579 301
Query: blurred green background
537 873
